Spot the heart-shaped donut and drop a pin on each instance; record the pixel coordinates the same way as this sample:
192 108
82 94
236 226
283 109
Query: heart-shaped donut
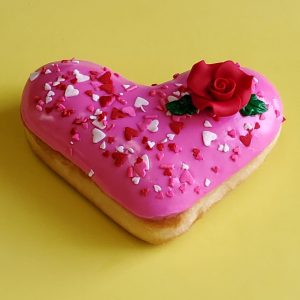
153 158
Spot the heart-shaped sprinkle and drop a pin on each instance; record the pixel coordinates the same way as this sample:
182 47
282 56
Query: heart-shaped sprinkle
71 91
145 158
98 135
246 139
171 136
153 126
151 144
95 97
157 188
136 179
130 133
207 182
207 124
126 86
81 77
140 103
208 137
47 87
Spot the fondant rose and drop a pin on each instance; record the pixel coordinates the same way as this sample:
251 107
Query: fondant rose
222 87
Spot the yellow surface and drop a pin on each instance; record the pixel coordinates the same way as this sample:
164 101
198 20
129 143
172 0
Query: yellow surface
54 245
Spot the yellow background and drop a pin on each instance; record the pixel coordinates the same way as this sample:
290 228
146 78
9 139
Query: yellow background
55 245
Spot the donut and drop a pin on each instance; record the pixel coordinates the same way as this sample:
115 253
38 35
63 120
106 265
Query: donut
153 158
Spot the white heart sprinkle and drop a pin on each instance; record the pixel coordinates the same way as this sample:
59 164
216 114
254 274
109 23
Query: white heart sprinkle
153 126
178 84
207 182
50 94
71 91
98 111
185 166
95 97
207 124
164 140
221 148
98 135
48 71
120 149
126 86
136 180
226 148
140 103
93 117
208 137
48 99
248 126
171 136
177 93
34 75
103 145
98 124
91 173
81 77
130 150
157 188
145 158
172 98
47 87
151 144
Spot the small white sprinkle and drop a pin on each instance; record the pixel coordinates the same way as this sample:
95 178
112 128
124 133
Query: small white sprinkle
207 124
185 166
98 124
91 173
48 99
157 188
207 182
208 137
178 84
164 140
226 148
126 86
136 180
221 147
145 158
248 126
93 117
95 97
71 91
81 77
98 135
120 149
171 136
130 150
103 145
50 94
177 93
48 71
97 112
172 98
151 144
153 126
47 87
140 103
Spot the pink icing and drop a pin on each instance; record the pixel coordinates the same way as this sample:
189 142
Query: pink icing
59 106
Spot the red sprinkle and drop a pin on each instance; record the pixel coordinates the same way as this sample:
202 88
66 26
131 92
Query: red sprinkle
144 192
246 139
105 153
89 93
110 139
105 100
176 127
215 169
117 114
257 125
105 78
108 88
119 158
130 133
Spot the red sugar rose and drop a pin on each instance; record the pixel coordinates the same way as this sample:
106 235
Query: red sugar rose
222 87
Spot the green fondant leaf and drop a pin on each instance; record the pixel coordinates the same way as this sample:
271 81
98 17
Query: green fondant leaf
254 107
182 106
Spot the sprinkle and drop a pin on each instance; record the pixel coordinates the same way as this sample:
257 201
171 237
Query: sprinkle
197 189
207 124
34 75
71 91
207 182
246 139
231 133
136 179
132 88
103 145
106 100
119 158
120 149
185 166
172 98
130 150
236 150
215 169
164 141
159 156
176 93
151 144
169 193
140 103
186 177
248 126
126 86
80 77
157 188
208 137
48 99
99 124
129 110
171 136
153 126
233 157
39 107
226 148
47 87
176 127
98 135
196 154
95 97
145 158
48 71
91 173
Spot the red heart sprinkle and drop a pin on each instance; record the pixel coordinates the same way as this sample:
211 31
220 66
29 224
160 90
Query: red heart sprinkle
108 88
130 133
105 78
106 100
117 114
176 127
246 139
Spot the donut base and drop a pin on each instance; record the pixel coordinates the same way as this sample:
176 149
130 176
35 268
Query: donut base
152 231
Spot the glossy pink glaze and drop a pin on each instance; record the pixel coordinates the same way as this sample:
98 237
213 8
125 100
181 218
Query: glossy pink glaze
180 188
